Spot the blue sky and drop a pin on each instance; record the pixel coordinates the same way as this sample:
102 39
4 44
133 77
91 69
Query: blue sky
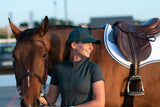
79 11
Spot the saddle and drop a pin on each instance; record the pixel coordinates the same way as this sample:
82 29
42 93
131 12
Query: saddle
138 37
134 43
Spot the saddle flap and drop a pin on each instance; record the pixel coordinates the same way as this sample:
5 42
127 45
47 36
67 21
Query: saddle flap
142 48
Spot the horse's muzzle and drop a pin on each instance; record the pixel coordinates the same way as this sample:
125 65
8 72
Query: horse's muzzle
36 103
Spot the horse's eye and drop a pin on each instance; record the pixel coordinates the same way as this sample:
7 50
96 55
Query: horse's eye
44 56
13 57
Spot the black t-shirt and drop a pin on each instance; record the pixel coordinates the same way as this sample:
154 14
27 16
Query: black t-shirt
75 80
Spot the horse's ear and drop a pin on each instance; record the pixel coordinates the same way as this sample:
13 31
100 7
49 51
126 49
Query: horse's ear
44 26
16 31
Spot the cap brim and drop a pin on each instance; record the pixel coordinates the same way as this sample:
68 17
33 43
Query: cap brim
91 40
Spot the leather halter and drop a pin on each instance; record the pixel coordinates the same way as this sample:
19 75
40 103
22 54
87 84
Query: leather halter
41 80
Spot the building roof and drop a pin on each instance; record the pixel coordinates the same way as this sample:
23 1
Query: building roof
99 22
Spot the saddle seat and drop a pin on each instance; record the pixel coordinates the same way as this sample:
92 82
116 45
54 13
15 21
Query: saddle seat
150 27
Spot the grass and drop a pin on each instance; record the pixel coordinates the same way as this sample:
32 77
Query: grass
5 36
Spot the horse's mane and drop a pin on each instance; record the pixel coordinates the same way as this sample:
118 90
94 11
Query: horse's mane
28 34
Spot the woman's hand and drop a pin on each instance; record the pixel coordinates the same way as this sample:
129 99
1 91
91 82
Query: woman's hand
51 97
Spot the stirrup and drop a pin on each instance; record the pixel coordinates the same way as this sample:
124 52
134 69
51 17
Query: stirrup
137 92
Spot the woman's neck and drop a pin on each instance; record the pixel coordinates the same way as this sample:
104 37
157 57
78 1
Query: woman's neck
74 57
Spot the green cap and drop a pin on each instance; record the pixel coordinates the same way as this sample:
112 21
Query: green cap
83 35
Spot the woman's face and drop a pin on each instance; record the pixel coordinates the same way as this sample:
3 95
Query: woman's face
83 49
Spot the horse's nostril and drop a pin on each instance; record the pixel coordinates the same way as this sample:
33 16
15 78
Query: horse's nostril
37 103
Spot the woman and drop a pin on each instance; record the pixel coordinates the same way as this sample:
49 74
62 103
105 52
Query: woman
79 81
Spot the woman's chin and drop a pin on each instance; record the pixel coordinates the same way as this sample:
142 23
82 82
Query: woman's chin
87 56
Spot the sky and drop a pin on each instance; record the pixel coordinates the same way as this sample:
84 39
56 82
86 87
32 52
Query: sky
78 11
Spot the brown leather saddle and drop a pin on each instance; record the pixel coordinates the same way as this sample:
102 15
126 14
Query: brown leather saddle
134 43
135 38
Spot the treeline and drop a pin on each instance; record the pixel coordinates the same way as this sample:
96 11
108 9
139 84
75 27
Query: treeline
52 22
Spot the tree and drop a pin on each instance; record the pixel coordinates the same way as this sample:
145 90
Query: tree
36 24
52 22
24 24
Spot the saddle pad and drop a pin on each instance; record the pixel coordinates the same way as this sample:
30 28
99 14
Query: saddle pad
115 53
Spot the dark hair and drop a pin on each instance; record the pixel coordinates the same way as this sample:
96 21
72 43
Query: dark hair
67 50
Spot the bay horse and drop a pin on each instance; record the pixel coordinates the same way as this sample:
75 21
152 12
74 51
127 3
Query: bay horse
37 46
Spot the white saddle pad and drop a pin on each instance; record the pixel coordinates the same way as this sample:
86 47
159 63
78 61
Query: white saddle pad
114 51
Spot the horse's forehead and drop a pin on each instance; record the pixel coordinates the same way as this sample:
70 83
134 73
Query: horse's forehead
30 31
28 49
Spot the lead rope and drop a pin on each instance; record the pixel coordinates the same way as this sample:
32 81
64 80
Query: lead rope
44 86
50 105
44 78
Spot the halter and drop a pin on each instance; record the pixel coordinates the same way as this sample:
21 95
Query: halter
26 74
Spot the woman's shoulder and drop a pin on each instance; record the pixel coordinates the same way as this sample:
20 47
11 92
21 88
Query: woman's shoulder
60 65
96 72
93 64
63 63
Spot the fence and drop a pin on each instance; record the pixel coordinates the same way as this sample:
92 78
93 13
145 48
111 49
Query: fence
7 40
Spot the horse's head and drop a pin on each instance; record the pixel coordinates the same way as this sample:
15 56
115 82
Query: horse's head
30 62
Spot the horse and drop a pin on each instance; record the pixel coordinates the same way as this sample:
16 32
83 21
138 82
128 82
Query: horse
35 55
35 45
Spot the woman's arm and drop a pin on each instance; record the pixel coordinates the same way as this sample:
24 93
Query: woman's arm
99 96
52 95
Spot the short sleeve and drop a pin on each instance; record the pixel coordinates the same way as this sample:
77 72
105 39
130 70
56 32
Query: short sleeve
54 79
96 73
